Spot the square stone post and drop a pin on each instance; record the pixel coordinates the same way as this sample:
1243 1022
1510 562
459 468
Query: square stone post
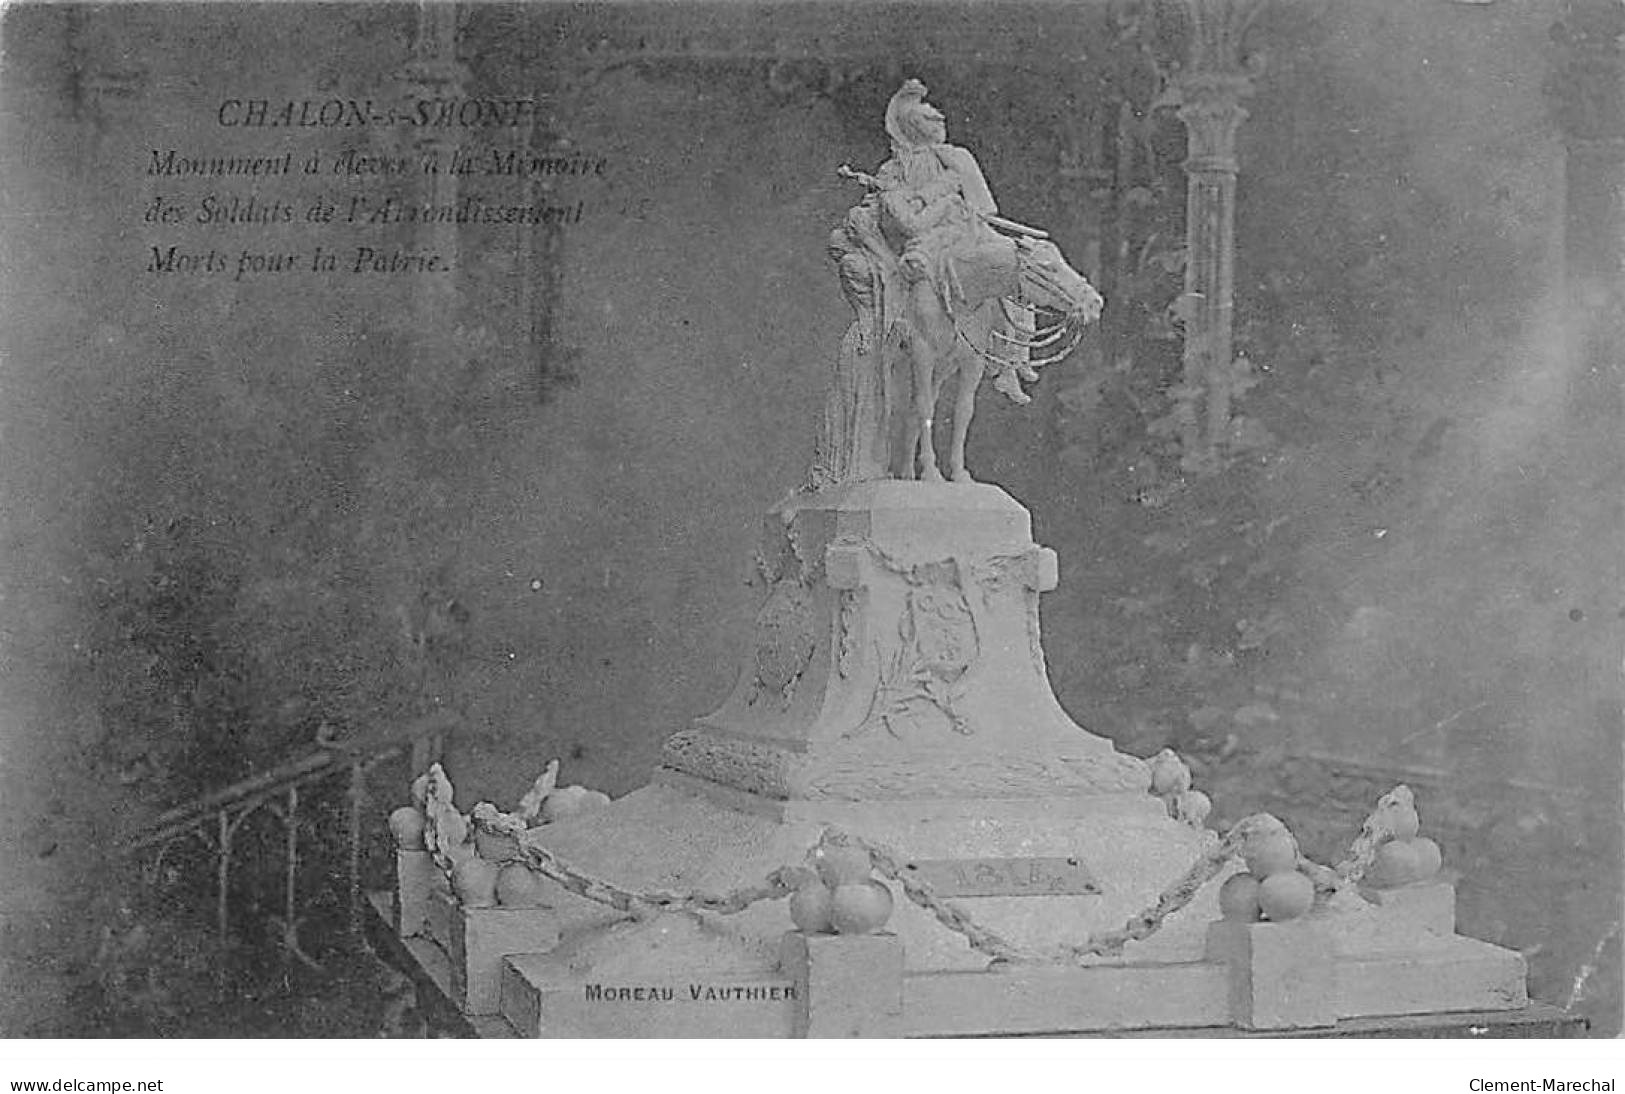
481 938
415 875
1282 975
847 985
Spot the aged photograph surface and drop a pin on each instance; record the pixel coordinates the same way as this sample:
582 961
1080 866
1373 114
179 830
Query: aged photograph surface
798 519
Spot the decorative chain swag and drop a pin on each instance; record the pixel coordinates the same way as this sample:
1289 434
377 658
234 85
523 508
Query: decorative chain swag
783 882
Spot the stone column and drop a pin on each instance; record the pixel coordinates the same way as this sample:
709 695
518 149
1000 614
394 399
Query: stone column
1589 95
100 74
1588 91
434 72
541 247
1209 91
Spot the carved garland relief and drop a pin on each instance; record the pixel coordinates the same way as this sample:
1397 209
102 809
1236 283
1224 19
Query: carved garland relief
922 664
935 647
938 643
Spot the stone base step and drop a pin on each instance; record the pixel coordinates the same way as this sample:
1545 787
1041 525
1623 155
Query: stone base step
1458 974
537 1002
542 997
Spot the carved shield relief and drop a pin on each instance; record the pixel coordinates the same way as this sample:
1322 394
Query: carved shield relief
939 628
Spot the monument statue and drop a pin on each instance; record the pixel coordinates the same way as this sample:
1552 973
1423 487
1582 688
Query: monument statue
891 826
940 284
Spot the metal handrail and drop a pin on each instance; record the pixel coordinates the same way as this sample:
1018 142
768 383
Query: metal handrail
215 817
184 817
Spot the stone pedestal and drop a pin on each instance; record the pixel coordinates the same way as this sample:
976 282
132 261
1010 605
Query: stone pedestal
897 657
895 686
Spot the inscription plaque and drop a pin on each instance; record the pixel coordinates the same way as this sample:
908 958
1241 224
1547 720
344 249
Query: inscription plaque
964 877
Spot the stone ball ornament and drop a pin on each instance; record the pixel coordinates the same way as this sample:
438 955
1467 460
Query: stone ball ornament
1405 822
475 880
1169 775
1401 862
1192 807
518 886
1284 896
810 907
570 801
1238 898
1270 853
495 846
407 825
839 866
1274 886
860 909
1170 780
1403 856
1429 858
841 894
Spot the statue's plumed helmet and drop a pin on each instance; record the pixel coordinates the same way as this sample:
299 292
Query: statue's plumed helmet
908 116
